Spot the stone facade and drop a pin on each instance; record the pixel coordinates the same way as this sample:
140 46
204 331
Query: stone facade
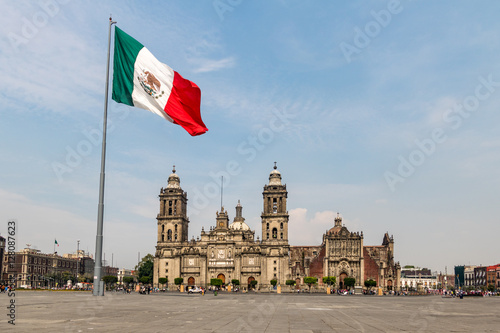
227 251
342 254
230 250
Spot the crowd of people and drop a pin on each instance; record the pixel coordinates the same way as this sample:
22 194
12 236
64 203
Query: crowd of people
5 288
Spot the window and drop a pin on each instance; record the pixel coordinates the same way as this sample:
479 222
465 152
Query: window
275 262
169 235
176 228
166 271
275 269
275 206
267 235
281 235
175 237
268 226
281 225
162 237
275 233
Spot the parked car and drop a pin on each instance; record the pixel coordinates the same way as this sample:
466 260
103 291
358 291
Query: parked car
194 289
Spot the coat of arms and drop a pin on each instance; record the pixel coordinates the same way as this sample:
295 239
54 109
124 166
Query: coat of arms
150 84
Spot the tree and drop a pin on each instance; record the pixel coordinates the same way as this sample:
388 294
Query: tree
128 280
273 282
109 280
65 276
235 282
349 282
163 280
145 280
216 282
310 280
370 284
290 283
87 277
329 280
145 268
491 287
178 281
253 283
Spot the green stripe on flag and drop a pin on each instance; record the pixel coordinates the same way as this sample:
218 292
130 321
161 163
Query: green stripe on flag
126 51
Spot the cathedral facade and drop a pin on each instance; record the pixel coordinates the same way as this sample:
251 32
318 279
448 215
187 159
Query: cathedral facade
230 251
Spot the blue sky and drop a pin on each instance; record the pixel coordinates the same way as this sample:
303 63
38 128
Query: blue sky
384 111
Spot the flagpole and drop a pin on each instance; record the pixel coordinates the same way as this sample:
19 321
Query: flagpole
98 290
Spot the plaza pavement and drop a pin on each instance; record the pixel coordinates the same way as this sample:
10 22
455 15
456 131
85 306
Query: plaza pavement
51 311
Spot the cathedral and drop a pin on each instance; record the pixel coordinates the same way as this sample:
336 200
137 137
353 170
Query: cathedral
231 251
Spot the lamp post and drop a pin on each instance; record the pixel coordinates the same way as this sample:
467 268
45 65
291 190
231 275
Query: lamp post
77 260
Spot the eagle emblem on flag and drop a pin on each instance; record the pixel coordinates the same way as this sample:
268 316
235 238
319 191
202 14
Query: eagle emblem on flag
150 84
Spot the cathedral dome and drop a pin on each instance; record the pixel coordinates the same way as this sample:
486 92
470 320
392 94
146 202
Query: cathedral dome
275 176
174 180
239 226
338 225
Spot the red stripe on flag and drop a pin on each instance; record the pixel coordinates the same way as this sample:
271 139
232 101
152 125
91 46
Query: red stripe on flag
183 105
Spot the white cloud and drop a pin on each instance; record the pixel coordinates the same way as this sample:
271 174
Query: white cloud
308 231
210 65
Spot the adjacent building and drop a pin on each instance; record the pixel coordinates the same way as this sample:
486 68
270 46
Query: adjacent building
480 277
491 275
125 273
2 258
469 278
342 254
33 269
419 279
230 250
497 279
85 264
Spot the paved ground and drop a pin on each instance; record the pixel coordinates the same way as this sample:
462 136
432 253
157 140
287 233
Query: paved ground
298 313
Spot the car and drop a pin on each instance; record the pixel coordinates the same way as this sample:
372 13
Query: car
194 289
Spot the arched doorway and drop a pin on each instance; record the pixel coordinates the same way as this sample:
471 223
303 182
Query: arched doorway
341 280
191 281
389 284
250 279
222 277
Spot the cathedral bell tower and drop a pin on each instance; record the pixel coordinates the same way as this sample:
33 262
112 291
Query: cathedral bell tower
222 220
275 216
172 219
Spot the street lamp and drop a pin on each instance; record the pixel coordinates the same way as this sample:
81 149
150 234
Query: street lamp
77 260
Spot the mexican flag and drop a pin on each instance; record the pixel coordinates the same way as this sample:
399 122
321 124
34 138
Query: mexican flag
55 242
140 80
